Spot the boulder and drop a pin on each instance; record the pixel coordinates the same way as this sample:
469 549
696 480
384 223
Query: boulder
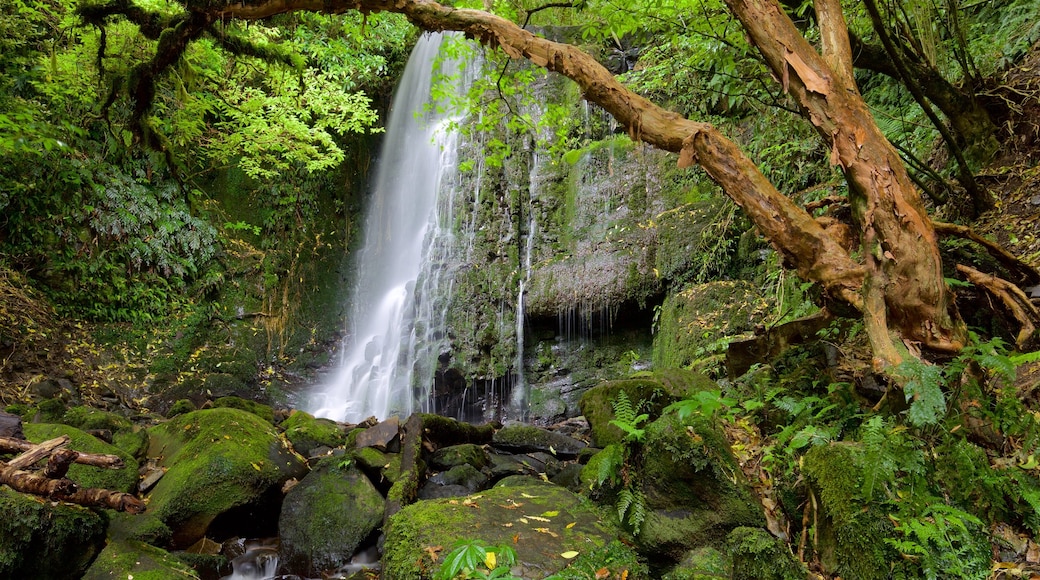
540 521
123 479
217 460
455 455
125 435
47 540
265 412
132 559
465 476
327 516
758 555
651 394
307 433
527 439
385 436
694 490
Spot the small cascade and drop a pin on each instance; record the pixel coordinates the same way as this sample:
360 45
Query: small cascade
402 233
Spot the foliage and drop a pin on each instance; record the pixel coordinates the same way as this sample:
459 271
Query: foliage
470 559
626 419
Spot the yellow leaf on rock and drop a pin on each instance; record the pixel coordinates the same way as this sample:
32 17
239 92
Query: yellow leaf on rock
568 555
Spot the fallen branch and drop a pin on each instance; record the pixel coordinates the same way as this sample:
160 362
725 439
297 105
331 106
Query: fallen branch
1025 274
10 445
1013 298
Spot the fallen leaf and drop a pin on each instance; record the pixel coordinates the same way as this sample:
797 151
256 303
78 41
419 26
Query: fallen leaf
507 525
571 525
551 514
569 554
523 520
433 551
522 494
602 573
539 518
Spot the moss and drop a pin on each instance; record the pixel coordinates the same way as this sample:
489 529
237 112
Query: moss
757 555
87 418
180 407
328 515
850 535
260 410
618 559
50 411
123 479
467 453
137 560
307 432
704 563
444 522
44 540
217 459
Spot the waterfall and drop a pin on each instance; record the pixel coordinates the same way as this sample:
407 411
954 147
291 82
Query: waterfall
387 331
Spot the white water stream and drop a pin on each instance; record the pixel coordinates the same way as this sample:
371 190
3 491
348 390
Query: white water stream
384 350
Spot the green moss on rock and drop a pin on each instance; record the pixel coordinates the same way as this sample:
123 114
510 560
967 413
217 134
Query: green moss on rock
123 479
485 517
850 535
217 459
328 515
757 555
232 402
137 560
308 433
44 540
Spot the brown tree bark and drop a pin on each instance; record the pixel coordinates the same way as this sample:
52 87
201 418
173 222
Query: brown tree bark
899 290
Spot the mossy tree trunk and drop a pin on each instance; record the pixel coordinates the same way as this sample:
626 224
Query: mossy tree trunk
897 284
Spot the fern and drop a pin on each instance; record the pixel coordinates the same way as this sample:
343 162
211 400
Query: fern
613 459
923 391
631 508
627 419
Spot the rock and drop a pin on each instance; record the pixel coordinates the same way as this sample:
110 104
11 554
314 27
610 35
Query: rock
704 563
650 394
327 516
693 487
124 434
232 402
308 433
506 465
123 479
465 476
502 516
383 469
465 454
569 477
44 540
757 555
525 439
385 436
132 559
11 426
217 460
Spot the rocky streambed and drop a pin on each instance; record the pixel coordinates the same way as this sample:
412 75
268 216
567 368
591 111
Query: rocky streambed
239 490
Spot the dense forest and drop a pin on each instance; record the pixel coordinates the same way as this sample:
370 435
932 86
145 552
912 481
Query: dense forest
840 201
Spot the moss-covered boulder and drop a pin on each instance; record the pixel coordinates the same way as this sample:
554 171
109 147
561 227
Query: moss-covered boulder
383 469
265 412
455 455
137 560
307 432
123 479
125 435
42 540
850 536
651 394
693 488
528 438
704 563
217 459
328 515
758 555
541 522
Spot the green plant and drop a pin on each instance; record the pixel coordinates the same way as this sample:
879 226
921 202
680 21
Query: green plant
627 419
476 559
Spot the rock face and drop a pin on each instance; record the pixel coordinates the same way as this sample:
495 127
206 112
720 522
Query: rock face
540 521
46 541
327 516
218 459
526 438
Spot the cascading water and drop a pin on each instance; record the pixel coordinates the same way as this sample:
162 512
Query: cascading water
375 377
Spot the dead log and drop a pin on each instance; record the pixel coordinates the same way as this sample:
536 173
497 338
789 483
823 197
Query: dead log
10 445
1012 298
59 463
35 453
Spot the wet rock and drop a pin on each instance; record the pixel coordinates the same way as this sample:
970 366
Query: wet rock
11 426
464 475
327 516
502 516
308 433
123 479
218 460
384 436
526 438
259 409
47 540
465 454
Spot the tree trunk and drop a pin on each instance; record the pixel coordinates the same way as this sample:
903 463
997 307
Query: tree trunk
899 290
